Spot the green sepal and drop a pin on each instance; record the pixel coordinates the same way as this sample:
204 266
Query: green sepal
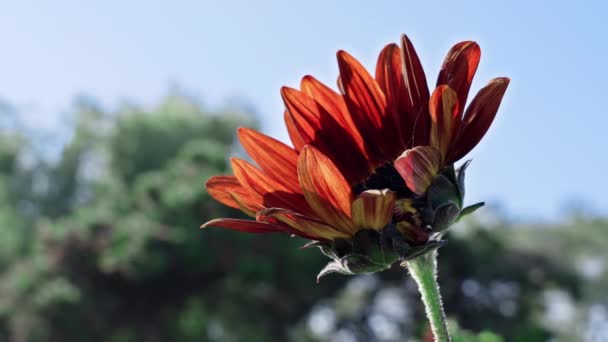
313 243
352 264
417 251
328 251
470 209
341 247
442 191
450 173
460 174
368 252
372 244
445 216
359 263
401 247
393 238
332 267
404 250
366 242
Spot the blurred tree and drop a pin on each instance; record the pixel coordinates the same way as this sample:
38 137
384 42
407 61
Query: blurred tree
11 224
102 244
117 254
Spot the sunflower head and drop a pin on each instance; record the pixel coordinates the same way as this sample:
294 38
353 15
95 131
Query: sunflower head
370 178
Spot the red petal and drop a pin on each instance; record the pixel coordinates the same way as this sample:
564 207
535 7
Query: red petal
317 127
302 225
417 94
389 75
326 191
278 160
272 193
445 117
244 226
459 68
478 117
334 104
220 187
418 166
367 105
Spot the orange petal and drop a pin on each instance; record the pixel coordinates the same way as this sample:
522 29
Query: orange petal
418 166
247 208
220 187
302 225
331 101
417 94
293 130
479 116
367 105
244 226
373 209
458 69
389 75
315 126
273 194
340 85
327 192
445 118
278 160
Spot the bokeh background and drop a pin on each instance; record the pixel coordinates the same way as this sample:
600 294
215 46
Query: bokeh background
113 114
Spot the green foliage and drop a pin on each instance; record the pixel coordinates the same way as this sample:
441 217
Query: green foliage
461 335
102 244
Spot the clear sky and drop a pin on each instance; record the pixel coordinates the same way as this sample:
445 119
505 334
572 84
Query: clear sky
547 146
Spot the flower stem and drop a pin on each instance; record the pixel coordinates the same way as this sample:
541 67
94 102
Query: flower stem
424 271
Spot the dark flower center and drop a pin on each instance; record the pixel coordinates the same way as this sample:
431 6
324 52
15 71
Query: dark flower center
385 177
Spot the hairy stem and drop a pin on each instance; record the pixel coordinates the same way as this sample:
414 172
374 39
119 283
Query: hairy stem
424 271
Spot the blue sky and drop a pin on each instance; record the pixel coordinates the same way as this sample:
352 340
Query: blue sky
547 146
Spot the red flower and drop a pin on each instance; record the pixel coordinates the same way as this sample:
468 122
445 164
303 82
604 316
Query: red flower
348 171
